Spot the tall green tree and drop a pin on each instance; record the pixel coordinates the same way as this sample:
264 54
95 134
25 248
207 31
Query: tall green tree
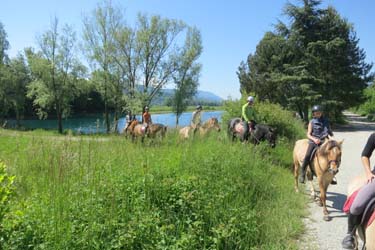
98 34
186 76
55 71
313 59
15 79
156 39
4 44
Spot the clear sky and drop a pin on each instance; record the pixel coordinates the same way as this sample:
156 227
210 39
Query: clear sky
230 29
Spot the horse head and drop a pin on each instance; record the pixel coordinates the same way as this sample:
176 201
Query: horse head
271 136
212 123
131 126
331 150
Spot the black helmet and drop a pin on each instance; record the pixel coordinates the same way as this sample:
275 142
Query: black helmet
199 107
316 108
146 108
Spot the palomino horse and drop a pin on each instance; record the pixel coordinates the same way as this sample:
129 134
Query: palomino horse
325 164
260 133
209 125
366 232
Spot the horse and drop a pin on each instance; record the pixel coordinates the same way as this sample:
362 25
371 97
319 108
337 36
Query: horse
155 129
260 133
325 164
135 129
209 125
366 232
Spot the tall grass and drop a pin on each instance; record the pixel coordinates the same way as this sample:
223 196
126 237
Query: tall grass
108 193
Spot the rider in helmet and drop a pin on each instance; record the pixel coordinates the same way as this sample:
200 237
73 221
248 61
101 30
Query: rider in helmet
317 131
365 194
196 119
248 117
146 118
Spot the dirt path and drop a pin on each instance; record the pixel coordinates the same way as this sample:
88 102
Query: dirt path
324 235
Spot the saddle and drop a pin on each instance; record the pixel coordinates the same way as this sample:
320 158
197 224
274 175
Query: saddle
368 215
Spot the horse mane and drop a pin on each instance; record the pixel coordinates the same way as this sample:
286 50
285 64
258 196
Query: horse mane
132 125
328 145
212 120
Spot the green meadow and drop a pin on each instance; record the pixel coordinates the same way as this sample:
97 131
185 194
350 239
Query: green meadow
105 192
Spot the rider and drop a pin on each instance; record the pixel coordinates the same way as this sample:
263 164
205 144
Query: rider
196 119
317 131
146 118
128 118
365 194
248 116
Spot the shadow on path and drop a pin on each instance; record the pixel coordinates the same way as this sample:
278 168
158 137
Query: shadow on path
355 123
337 199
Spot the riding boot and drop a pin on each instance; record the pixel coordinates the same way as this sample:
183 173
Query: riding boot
349 242
302 175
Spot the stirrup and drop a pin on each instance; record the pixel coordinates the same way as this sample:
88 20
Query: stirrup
349 242
301 178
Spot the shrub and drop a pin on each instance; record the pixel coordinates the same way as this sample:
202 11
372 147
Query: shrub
286 124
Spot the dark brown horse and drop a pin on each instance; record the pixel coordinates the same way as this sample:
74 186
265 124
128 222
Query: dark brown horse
325 164
261 132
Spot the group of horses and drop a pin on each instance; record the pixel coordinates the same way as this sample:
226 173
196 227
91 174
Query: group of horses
235 129
325 164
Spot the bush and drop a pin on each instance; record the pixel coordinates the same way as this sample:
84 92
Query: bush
286 124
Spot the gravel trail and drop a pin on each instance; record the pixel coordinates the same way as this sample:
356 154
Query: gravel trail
324 235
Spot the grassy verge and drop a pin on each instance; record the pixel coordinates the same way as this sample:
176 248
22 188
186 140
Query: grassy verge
73 193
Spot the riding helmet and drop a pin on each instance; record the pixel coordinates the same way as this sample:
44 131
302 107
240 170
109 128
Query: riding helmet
250 99
199 107
316 108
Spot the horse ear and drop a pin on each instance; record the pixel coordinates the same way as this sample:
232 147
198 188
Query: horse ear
340 142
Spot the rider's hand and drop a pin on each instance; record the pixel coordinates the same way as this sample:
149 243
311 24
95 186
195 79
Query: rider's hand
370 177
316 141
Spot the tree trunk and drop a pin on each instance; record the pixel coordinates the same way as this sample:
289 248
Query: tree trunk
176 120
116 121
59 120
106 116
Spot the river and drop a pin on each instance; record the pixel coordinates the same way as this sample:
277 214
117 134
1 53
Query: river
96 124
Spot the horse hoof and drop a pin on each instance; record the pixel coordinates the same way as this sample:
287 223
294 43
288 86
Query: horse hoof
326 218
319 203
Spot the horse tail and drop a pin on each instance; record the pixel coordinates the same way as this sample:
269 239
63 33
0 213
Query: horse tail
164 131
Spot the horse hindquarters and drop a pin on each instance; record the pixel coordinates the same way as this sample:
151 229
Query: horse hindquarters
370 237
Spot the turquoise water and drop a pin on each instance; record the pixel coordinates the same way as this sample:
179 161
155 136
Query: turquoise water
96 124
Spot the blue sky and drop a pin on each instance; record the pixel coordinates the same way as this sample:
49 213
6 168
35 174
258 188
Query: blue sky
230 29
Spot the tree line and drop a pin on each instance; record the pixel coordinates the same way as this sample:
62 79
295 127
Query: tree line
128 65
315 58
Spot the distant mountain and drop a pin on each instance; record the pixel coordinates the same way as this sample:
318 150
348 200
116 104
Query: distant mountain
202 97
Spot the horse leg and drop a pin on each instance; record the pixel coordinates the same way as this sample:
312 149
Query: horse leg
323 198
296 168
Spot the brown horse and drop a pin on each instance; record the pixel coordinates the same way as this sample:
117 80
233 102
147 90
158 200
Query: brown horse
325 164
135 129
365 232
156 129
209 125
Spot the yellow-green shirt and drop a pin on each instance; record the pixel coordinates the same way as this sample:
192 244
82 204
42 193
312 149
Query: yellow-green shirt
248 113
